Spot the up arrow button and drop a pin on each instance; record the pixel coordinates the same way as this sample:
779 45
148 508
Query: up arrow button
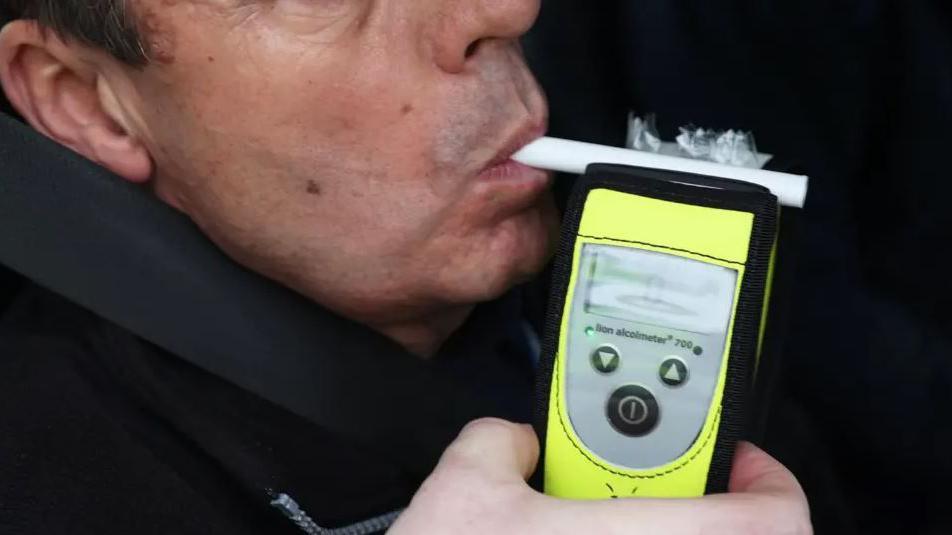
673 372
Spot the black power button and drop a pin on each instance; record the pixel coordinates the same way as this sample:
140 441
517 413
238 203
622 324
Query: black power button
633 410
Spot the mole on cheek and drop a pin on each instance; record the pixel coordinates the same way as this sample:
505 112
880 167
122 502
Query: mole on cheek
313 187
406 109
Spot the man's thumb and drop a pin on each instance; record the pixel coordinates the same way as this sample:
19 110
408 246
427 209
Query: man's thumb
757 472
496 448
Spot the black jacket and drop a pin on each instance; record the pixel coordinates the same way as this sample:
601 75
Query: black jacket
102 432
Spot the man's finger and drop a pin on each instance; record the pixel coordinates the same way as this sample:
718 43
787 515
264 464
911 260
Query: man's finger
756 472
494 447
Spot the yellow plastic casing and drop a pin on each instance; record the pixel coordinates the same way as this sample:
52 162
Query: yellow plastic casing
713 235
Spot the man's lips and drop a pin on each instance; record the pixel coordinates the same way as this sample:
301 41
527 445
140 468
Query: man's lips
508 185
502 166
511 170
511 186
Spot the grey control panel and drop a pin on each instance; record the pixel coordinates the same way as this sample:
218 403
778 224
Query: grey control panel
645 344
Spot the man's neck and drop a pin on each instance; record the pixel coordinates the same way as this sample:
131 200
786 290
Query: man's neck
423 336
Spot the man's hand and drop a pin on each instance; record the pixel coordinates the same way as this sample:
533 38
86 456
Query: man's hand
479 487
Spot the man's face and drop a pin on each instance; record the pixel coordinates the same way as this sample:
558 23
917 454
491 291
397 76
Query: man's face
354 150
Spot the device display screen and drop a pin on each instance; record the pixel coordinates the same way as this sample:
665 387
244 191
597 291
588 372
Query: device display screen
658 289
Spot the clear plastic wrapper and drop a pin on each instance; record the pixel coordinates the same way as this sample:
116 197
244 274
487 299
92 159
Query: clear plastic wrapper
643 133
730 147
696 142
735 148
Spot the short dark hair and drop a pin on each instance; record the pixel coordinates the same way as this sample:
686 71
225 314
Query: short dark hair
106 24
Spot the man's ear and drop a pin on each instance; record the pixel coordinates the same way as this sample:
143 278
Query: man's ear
63 94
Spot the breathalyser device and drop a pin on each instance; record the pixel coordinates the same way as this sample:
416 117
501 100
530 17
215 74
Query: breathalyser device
656 320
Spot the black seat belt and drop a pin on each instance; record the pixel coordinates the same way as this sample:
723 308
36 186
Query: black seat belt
112 248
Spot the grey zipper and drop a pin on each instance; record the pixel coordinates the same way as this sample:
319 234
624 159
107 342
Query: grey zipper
293 511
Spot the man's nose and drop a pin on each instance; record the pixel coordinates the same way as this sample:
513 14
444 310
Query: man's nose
463 26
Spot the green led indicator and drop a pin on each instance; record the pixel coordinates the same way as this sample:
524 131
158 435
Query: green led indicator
589 331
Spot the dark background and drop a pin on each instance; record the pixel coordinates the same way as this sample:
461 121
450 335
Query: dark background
859 93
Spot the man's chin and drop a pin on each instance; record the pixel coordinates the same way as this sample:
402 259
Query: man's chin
531 244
